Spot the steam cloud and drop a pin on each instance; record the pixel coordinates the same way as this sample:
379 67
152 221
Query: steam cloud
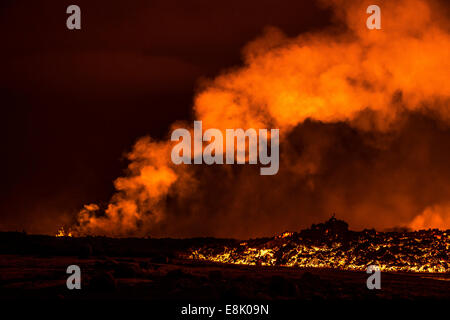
364 132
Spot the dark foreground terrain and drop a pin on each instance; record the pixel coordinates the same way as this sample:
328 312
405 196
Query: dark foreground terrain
140 278
151 269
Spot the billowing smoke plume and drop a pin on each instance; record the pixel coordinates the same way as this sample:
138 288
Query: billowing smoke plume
364 132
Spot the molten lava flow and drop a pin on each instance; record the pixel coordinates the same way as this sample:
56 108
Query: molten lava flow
285 235
325 246
63 233
364 130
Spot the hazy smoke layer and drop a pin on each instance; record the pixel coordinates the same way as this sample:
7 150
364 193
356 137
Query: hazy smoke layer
364 132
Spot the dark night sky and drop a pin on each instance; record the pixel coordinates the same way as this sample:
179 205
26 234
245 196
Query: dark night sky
73 102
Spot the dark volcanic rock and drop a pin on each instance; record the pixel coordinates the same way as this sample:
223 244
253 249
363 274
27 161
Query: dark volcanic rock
102 282
215 275
85 251
126 270
281 287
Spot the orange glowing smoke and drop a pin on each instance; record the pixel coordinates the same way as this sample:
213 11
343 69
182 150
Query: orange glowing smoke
329 76
434 217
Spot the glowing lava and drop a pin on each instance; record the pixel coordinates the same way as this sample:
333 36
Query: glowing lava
332 245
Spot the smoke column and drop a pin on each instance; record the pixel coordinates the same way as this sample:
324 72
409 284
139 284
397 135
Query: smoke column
364 132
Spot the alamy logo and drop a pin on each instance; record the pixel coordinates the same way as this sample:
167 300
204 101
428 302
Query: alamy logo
74 280
213 153
374 20
374 281
73 22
